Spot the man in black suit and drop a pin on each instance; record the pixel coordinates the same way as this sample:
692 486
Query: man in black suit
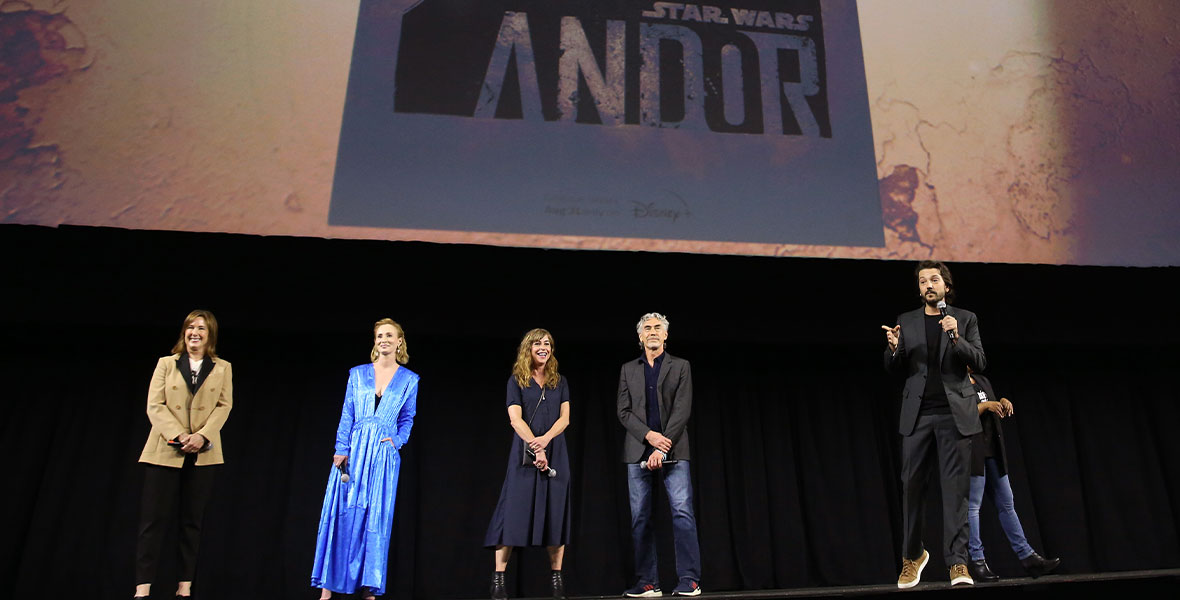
933 345
654 404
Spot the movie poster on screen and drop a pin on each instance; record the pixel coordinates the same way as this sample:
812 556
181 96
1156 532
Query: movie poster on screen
723 121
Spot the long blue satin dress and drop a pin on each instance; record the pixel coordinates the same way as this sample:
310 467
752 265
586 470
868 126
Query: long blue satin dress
352 546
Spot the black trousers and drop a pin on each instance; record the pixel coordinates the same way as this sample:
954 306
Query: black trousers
954 461
172 495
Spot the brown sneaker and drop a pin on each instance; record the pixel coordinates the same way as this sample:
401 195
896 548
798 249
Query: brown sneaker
960 576
911 570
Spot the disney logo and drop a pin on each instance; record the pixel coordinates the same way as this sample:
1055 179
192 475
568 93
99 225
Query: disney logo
654 210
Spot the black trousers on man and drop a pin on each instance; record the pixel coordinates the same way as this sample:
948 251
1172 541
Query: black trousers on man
171 495
954 461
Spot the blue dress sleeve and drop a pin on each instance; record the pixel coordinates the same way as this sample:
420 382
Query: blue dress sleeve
514 393
347 415
405 417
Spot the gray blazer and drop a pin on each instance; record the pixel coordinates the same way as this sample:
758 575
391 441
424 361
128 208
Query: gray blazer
674 391
910 359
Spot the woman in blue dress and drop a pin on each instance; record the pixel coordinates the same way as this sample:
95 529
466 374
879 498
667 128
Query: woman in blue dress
534 506
379 405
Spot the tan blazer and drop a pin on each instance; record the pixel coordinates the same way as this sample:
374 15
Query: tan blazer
173 410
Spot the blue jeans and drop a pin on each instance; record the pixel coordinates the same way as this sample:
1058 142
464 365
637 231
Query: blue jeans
678 484
1002 494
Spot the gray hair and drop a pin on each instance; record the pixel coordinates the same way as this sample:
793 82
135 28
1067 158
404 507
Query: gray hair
651 315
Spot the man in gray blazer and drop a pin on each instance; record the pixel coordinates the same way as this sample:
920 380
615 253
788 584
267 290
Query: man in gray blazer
933 346
655 402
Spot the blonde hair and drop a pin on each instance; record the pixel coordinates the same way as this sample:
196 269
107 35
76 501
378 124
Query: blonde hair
402 356
211 326
523 369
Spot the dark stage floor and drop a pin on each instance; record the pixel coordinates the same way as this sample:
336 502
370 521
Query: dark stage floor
1162 583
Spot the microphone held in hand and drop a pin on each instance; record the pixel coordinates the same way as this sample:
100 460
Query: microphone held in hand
951 335
344 478
549 472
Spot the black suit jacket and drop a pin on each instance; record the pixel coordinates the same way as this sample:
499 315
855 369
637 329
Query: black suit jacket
674 392
910 359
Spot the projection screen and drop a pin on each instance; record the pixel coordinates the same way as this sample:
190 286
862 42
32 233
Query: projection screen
1006 131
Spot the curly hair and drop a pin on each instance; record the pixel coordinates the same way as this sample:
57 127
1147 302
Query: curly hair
523 369
403 354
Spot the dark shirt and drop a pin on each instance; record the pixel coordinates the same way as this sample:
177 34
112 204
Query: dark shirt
988 420
934 400
651 377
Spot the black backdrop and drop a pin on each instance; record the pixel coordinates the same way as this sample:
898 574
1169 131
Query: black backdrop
794 421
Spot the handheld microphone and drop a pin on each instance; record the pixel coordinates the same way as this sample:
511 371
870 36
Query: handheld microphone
549 472
951 335
344 478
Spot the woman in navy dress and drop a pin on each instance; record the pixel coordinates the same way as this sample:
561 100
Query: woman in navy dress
534 506
379 406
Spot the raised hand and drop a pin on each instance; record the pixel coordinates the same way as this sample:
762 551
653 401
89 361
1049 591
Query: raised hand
892 335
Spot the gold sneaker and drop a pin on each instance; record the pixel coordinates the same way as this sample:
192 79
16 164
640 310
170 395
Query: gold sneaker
911 570
960 576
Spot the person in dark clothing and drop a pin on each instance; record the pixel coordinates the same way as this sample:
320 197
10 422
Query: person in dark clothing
534 505
989 472
933 346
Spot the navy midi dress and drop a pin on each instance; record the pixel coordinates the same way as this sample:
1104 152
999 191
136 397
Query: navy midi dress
534 509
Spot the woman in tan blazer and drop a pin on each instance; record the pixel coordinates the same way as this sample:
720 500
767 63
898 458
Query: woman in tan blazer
189 398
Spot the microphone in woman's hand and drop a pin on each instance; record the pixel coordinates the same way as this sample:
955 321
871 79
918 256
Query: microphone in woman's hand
550 472
344 473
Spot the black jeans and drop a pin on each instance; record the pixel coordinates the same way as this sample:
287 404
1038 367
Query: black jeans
171 495
954 462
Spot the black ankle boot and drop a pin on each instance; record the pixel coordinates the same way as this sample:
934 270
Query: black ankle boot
980 572
558 586
1037 565
499 592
